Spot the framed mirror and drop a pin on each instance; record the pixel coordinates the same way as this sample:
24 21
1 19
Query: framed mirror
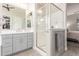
13 18
29 20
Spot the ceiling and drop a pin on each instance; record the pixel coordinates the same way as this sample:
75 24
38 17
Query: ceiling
20 5
72 8
43 7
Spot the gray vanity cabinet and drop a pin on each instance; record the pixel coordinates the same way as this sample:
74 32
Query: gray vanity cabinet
6 48
13 43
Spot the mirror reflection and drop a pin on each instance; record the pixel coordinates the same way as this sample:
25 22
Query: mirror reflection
13 18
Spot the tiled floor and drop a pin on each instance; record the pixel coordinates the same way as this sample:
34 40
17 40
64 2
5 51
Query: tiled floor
30 52
73 49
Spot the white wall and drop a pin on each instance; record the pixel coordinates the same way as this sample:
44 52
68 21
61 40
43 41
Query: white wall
57 19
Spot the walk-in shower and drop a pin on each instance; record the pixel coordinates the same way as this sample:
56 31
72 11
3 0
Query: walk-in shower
48 17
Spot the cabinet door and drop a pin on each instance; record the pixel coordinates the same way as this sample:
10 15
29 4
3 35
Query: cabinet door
6 51
16 43
6 44
24 41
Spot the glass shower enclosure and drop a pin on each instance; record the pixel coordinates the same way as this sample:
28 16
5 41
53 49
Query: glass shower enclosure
48 16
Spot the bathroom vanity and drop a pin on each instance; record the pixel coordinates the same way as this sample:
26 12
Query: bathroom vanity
14 34
15 42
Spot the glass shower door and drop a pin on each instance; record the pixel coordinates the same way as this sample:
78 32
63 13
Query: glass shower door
42 27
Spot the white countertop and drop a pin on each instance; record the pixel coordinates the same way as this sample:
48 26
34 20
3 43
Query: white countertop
57 29
14 32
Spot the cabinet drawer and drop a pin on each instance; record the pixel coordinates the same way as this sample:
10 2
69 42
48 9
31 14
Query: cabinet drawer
6 51
16 35
30 37
6 36
7 45
25 38
24 35
30 34
30 40
7 41
16 41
